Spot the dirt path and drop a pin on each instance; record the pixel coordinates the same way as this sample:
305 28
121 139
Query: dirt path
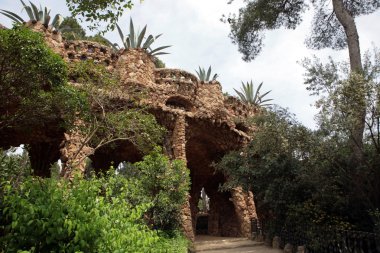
212 244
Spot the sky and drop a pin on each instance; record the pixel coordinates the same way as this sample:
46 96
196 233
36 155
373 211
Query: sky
199 38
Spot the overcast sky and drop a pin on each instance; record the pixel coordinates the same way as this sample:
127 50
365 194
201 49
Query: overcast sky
199 38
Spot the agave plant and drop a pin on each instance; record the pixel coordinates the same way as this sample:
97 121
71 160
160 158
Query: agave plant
138 40
205 76
35 14
251 96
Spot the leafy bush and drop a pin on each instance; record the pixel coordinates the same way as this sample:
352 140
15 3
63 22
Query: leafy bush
105 214
165 183
14 168
92 74
96 215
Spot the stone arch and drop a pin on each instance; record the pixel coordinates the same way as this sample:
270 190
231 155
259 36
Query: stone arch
113 154
179 102
208 143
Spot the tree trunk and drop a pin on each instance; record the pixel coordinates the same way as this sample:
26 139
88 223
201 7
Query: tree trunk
357 129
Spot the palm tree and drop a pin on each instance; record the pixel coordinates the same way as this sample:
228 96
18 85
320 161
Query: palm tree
251 96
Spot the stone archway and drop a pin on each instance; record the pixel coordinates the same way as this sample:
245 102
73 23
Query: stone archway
119 151
227 215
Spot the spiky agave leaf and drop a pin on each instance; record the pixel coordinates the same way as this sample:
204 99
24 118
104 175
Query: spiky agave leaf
132 34
141 37
241 96
12 16
29 12
155 51
121 35
57 21
249 96
149 41
34 14
35 11
201 73
205 76
114 46
208 73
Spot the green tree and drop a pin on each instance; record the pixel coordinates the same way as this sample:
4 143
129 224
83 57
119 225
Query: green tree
97 11
71 29
337 98
270 164
303 177
33 83
332 27
14 167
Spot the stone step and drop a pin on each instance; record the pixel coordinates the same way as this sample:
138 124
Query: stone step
210 244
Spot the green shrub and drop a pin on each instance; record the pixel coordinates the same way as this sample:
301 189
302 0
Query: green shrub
105 214
14 167
47 215
92 74
165 183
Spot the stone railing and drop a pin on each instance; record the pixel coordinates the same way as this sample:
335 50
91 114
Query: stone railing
176 75
238 108
178 81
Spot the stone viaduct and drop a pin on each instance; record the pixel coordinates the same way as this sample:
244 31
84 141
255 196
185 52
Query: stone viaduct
202 125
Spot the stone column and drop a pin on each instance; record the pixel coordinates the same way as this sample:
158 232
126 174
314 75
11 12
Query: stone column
179 152
74 153
242 204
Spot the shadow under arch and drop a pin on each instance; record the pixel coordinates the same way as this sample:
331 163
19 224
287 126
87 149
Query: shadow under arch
205 145
179 102
113 154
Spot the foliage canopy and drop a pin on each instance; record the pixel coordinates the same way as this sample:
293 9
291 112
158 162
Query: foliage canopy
97 11
33 82
249 26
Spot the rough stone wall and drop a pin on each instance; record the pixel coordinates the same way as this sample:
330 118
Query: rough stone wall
136 66
88 50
